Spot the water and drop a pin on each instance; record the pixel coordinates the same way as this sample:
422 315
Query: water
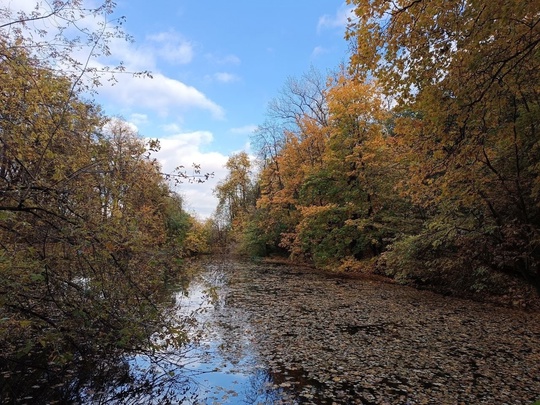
223 364
219 366
269 334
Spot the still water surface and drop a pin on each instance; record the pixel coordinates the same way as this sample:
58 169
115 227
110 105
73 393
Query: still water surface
221 365
270 334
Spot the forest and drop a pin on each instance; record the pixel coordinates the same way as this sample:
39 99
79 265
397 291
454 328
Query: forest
418 160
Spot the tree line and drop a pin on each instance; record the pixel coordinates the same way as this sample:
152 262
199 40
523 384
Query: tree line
419 159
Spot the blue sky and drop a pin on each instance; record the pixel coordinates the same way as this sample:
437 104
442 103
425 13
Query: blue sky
215 66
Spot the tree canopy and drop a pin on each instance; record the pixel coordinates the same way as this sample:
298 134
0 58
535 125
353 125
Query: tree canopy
90 229
421 157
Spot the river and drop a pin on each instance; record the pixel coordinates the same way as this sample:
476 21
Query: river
277 334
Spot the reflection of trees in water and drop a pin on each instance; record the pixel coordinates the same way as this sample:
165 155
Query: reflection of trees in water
149 379
153 375
145 378
157 378
219 342
260 390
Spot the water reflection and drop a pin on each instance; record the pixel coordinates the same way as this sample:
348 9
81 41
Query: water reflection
222 365
219 364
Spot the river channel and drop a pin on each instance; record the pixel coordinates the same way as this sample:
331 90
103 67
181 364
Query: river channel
273 334
276 334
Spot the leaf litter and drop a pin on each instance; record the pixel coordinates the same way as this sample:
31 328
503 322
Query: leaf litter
326 340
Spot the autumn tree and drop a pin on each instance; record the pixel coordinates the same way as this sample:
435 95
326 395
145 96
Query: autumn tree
349 207
86 219
283 144
465 79
300 97
342 179
89 230
236 193
68 35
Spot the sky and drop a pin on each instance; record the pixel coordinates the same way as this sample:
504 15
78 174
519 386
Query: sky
215 66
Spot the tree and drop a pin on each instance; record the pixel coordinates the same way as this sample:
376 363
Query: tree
299 98
465 76
286 147
347 208
59 32
236 193
79 205
84 223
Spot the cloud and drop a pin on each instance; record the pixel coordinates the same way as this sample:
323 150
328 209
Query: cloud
115 121
172 47
173 127
168 46
245 130
225 77
317 51
138 118
160 94
62 34
339 20
184 149
135 57
27 6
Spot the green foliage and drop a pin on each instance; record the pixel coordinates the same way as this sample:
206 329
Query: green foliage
330 193
237 194
408 259
323 235
253 240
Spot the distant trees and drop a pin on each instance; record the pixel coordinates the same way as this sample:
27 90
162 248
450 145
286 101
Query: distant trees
331 202
236 195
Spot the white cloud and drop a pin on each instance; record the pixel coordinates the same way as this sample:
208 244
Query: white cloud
245 130
317 51
225 77
173 127
135 57
26 6
160 94
172 47
339 20
66 30
115 121
184 149
138 119
167 46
